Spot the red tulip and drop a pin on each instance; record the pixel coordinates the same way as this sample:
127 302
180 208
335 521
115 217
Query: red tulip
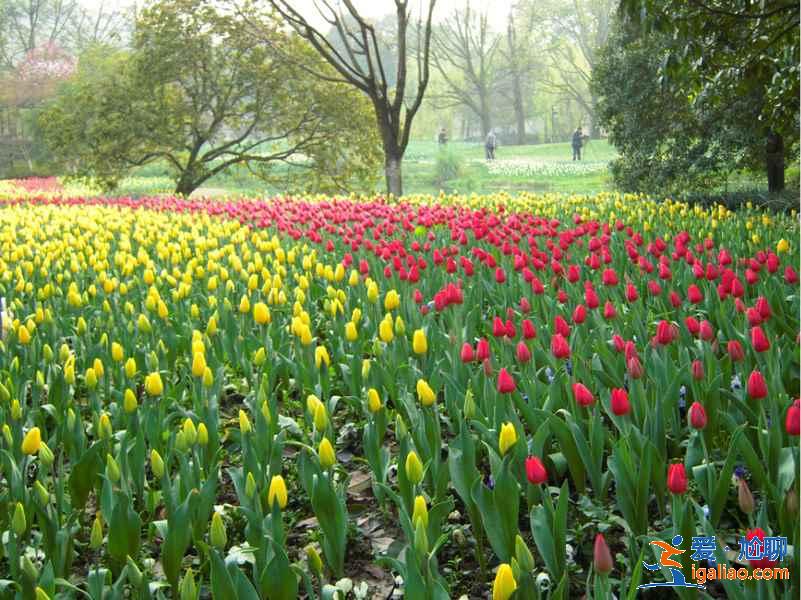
753 316
506 384
698 370
561 296
654 288
694 294
664 333
487 365
482 350
591 298
756 387
761 563
560 326
529 331
467 353
522 352
706 332
618 342
675 299
790 275
677 478
619 402
631 293
525 305
634 368
559 346
535 471
763 306
609 277
582 395
735 350
609 310
693 326
500 275
697 416
759 340
792 424
498 329
601 556
579 314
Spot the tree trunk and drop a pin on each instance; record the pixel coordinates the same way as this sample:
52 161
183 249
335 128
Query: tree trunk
520 112
185 186
486 121
594 131
774 154
392 172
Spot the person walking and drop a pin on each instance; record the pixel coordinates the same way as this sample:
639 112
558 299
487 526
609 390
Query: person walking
577 141
442 137
490 144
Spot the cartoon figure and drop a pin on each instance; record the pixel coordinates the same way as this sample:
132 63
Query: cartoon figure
669 550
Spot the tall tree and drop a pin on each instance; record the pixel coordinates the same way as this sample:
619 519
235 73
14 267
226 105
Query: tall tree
359 63
576 31
516 72
464 54
722 50
199 94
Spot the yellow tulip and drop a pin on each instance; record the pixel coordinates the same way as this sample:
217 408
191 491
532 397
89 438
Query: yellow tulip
129 402
244 305
117 353
414 468
419 342
420 512
505 584
23 335
385 331
244 422
507 438
153 384
391 300
198 364
373 400
326 454
261 314
321 356
320 417
351 333
424 393
32 441
782 246
277 492
130 368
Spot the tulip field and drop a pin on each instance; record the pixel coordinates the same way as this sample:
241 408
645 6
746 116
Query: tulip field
428 398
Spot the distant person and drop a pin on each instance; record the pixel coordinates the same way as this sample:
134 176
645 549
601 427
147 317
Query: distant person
578 140
442 137
490 145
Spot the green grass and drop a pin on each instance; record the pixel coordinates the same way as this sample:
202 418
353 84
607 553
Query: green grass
420 172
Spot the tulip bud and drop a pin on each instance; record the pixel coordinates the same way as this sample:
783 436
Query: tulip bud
129 402
504 585
506 438
202 435
104 430
41 594
244 422
250 485
634 367
96 536
259 357
420 512
365 368
70 419
424 393
9 439
46 455
41 493
153 384
217 535
400 427
190 432
29 569
277 492
208 378
420 539
47 353
16 410
744 497
602 557
180 441
419 342
697 416
320 417
414 468
130 368
677 478
32 442
134 573
69 373
326 454
112 469
373 400
18 522
156 464
469 408
523 554
314 560
187 589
